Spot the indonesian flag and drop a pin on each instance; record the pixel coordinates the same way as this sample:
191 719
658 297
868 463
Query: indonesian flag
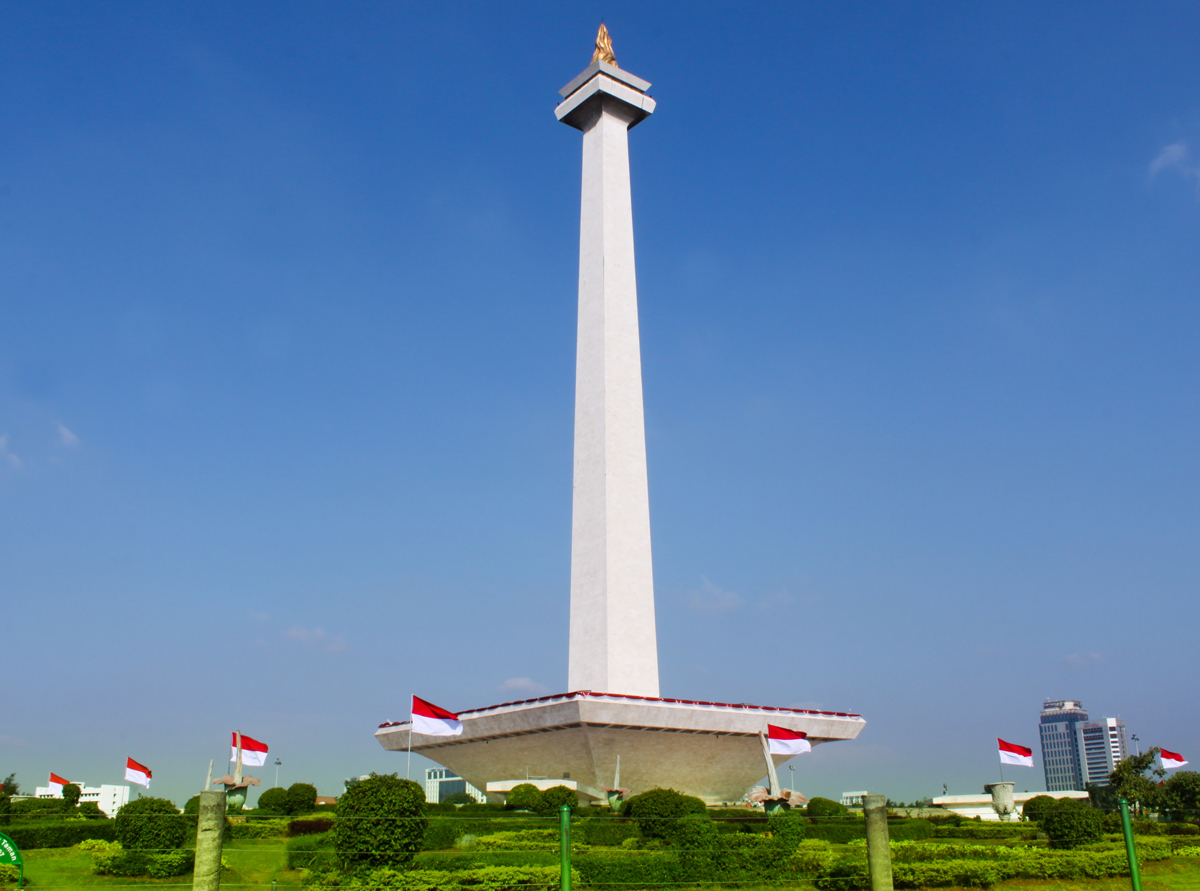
433 720
1171 759
254 753
56 784
787 742
1010 753
137 773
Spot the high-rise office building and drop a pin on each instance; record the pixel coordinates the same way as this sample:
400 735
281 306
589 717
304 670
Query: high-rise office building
1062 744
1103 745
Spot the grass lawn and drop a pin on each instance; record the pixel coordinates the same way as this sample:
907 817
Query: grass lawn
252 863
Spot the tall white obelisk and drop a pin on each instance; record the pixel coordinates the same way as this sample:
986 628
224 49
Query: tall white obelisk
614 648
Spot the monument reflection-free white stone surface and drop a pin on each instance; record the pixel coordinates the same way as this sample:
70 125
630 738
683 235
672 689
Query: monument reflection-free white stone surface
613 646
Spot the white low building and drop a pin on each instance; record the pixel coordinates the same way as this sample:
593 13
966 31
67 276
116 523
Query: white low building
108 798
980 804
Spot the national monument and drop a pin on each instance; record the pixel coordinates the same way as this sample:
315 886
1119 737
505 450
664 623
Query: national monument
714 751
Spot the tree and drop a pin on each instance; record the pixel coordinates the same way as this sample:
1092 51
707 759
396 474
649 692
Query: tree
524 797
826 807
555 797
1131 783
381 822
1072 823
301 798
459 798
11 786
70 794
1036 807
656 810
1181 795
192 806
275 801
151 825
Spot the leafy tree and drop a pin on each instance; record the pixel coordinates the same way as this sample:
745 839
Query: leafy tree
1181 795
10 785
1072 823
192 807
1103 797
1036 807
1131 783
301 798
275 801
70 794
91 810
656 809
524 797
459 798
825 807
381 822
151 824
555 797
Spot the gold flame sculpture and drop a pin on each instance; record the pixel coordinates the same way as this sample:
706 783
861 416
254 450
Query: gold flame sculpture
604 50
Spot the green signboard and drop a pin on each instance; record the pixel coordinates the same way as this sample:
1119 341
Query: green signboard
10 853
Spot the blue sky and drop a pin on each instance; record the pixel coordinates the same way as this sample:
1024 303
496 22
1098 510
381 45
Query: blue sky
287 356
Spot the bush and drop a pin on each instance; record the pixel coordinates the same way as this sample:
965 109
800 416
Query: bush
162 865
9 875
91 811
381 822
909 830
444 833
524 797
315 852
654 810
459 798
313 826
604 831
825 807
1072 823
486 878
1037 806
70 794
37 807
258 829
191 807
150 824
301 798
555 797
274 801
5 809
61 834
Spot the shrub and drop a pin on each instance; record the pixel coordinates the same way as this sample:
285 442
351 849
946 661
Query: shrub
1072 823
5 809
315 852
162 865
604 831
150 824
909 830
381 822
787 830
1037 806
1181 795
486 878
524 797
9 875
191 807
274 801
555 797
301 798
459 798
70 794
445 833
258 829
825 807
91 811
61 834
654 809
314 826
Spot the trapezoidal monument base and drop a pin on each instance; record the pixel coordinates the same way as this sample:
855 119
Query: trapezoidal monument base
707 749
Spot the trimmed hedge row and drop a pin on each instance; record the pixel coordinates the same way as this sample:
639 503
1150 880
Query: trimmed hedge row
119 862
258 829
60 835
844 831
488 878
1026 831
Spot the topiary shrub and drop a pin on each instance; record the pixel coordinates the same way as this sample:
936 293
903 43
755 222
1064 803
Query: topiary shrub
381 822
655 809
524 797
274 801
1072 823
150 824
555 797
825 807
70 794
1037 806
301 798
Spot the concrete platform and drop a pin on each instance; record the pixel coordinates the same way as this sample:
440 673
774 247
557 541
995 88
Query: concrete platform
707 749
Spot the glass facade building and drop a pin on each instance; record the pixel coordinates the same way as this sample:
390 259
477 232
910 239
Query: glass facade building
1062 744
1103 745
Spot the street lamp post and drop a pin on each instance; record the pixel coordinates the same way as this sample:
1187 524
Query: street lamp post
277 763
792 768
1136 746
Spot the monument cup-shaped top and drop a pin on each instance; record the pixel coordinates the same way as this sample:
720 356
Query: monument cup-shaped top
614 647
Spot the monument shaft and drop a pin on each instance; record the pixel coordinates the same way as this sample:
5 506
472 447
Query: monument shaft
613 647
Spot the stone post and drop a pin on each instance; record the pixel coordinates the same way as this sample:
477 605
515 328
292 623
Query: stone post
879 853
210 834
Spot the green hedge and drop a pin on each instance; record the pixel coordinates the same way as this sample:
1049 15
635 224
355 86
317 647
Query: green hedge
605 832
258 829
139 863
840 832
310 826
488 878
314 852
1027 831
9 875
60 835
442 833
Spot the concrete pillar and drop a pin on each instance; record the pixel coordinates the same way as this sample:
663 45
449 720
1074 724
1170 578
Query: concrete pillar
613 646
879 854
210 833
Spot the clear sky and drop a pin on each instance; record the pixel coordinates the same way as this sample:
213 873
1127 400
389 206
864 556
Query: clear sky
287 358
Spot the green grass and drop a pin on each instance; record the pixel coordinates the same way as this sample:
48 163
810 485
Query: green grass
252 863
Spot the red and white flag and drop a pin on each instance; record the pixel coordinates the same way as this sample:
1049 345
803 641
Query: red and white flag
137 773
433 720
782 741
1011 753
1171 759
56 784
254 753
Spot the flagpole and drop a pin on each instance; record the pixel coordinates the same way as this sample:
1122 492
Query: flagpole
1002 771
